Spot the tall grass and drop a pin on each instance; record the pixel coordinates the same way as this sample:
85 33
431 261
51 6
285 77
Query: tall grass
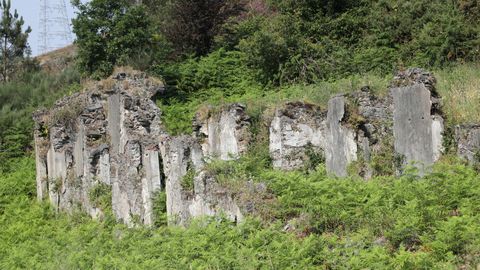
460 88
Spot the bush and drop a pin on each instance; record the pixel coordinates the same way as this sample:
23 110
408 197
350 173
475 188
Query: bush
221 71
100 196
191 25
109 32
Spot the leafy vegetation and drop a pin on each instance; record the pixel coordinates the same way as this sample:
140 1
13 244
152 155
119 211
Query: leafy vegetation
386 223
20 98
261 53
108 34
100 195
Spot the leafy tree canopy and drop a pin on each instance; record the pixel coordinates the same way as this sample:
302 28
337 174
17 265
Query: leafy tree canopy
109 33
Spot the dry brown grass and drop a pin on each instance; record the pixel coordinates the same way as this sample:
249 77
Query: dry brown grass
107 84
204 112
67 114
460 89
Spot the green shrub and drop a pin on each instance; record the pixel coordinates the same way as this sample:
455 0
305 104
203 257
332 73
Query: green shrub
160 209
18 100
108 34
100 196
222 70
188 179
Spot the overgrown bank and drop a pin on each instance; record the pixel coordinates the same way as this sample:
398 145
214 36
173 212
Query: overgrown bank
386 223
262 55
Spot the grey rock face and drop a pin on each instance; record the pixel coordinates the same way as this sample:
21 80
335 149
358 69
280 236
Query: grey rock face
225 134
211 199
341 147
354 126
105 136
374 127
371 107
418 125
413 124
468 142
181 155
191 191
41 147
296 129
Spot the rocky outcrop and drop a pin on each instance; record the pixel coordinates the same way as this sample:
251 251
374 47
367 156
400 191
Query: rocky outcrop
105 149
224 134
417 119
212 199
360 125
353 127
181 156
297 130
468 142
372 117
192 191
103 137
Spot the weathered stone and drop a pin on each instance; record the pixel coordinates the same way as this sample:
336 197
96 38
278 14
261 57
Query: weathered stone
468 142
180 155
417 132
374 127
183 158
224 134
354 127
296 129
41 148
418 118
341 147
211 199
134 129
415 76
107 135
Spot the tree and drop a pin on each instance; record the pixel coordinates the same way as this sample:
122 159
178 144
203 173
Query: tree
109 33
191 25
13 40
311 9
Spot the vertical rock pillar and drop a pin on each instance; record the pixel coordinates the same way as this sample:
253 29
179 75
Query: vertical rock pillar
341 147
417 122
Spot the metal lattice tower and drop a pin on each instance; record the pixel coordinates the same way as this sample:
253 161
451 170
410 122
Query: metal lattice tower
54 25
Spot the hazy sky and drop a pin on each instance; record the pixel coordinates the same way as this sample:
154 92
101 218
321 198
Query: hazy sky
30 10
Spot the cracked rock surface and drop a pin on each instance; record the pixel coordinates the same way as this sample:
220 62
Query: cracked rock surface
103 137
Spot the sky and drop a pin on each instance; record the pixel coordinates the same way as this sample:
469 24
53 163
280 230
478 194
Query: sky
30 11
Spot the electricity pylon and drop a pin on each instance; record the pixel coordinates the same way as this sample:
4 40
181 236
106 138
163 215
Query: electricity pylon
54 26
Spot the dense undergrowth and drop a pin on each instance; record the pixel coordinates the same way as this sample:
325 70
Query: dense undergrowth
20 98
458 85
385 223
